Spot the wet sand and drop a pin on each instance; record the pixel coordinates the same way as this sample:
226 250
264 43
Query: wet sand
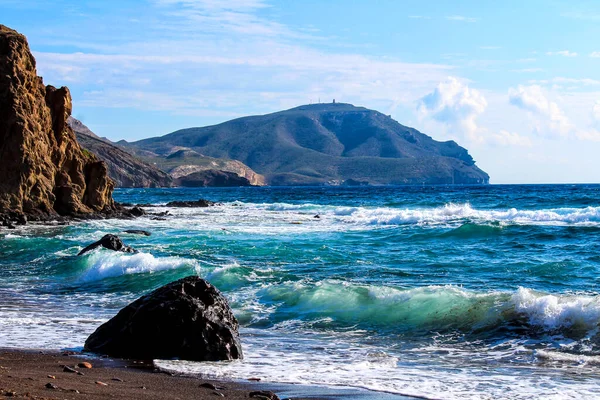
42 375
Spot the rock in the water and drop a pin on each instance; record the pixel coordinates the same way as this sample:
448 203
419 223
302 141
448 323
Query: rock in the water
137 232
199 203
188 319
137 211
43 170
111 242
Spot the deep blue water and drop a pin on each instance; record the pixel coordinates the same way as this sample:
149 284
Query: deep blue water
438 291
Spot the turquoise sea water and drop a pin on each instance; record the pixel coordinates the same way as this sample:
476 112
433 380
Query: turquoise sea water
442 292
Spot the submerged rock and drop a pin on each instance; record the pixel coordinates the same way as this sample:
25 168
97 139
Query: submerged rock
188 319
137 232
111 242
198 203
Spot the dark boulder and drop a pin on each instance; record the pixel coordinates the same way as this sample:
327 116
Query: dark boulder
111 242
198 203
188 319
263 395
137 211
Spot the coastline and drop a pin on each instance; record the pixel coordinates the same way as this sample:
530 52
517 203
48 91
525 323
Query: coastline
24 373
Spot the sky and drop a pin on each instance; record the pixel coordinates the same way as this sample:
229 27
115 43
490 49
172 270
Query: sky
515 82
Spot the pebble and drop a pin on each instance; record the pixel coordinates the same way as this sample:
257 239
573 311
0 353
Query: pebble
101 383
219 394
51 377
117 379
208 386
84 365
51 386
69 369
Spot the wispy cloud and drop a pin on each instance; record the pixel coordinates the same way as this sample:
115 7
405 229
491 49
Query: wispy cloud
511 139
580 15
564 53
528 70
190 57
568 81
460 18
595 54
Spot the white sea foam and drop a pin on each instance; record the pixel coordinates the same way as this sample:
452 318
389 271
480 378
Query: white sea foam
332 360
104 264
553 312
579 359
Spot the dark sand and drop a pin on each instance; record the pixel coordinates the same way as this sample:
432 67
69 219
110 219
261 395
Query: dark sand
25 374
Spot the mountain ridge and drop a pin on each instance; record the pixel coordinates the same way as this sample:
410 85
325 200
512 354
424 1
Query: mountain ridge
327 143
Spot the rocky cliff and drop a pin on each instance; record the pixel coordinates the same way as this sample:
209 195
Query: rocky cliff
124 168
43 170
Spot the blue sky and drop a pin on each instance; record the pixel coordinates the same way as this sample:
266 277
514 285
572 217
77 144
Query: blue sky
516 82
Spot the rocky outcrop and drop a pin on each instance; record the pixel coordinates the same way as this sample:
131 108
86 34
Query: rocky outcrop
124 168
208 165
43 170
212 178
188 319
110 242
192 203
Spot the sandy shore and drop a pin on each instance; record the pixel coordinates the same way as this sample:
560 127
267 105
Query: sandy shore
42 375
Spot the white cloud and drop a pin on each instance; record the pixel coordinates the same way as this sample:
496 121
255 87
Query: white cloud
460 18
505 138
564 53
546 116
456 105
595 54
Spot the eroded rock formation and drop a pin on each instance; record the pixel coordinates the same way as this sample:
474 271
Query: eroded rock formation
43 170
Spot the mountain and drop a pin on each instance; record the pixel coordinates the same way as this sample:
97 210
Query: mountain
326 144
43 170
125 169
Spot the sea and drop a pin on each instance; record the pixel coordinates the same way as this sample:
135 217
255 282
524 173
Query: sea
437 292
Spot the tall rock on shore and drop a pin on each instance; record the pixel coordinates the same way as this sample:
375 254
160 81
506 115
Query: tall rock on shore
43 170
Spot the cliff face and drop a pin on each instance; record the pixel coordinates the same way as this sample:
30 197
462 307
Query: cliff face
124 168
43 170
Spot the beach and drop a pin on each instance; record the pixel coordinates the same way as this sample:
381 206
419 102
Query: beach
39 374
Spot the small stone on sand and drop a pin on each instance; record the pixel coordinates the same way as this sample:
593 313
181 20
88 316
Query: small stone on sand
84 365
